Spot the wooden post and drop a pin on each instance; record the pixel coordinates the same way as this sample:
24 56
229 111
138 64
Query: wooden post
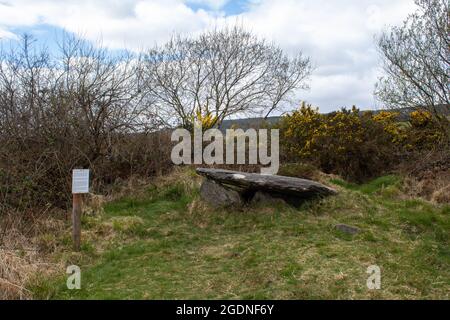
76 221
80 185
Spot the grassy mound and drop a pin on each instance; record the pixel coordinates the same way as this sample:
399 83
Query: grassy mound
167 244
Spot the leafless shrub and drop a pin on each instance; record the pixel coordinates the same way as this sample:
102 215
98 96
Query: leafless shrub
83 108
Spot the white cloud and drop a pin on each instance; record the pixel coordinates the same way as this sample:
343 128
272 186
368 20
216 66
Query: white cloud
119 23
338 35
4 34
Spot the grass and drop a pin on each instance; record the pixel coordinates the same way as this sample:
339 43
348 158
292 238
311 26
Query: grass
168 244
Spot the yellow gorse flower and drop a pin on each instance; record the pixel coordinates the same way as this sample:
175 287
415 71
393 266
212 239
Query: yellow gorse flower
206 118
420 118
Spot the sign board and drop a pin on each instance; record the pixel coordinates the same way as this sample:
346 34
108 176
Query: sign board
80 181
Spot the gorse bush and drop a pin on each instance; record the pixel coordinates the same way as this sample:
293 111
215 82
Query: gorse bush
357 145
344 142
420 118
421 132
354 145
389 121
300 130
426 131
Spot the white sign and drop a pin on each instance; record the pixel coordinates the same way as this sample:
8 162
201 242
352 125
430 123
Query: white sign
80 181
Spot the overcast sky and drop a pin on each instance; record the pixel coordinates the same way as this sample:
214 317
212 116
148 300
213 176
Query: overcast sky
337 34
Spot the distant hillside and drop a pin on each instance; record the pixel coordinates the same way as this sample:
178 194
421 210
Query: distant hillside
248 123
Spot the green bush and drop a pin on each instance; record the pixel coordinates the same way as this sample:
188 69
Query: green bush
346 142
357 145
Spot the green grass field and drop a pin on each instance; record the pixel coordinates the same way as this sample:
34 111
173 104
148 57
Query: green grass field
167 244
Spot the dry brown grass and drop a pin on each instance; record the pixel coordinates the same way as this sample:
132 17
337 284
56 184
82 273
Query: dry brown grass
184 178
435 189
93 204
25 251
30 242
441 195
15 272
428 176
133 186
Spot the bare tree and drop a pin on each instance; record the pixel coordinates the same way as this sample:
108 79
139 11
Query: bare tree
416 59
102 91
222 72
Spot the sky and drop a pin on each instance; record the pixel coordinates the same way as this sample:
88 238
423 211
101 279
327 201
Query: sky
338 35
